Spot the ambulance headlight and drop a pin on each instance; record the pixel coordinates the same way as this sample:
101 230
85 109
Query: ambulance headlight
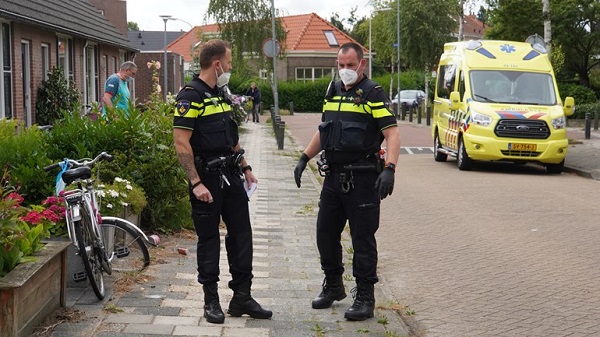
559 123
480 119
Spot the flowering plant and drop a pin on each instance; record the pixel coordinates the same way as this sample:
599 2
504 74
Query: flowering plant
23 227
119 196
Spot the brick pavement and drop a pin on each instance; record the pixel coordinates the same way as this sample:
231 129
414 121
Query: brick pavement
167 300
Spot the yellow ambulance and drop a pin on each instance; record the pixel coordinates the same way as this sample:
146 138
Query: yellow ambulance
498 101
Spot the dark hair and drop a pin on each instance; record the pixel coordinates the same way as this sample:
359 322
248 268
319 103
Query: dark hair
212 50
352 45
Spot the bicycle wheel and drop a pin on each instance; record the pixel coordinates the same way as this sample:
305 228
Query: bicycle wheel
124 246
84 232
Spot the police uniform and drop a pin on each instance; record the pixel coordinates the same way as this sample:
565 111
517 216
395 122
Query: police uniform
351 136
203 110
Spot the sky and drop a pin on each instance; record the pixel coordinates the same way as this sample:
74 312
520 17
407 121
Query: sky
146 12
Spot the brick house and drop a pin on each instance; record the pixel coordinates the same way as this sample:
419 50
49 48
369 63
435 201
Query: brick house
85 38
310 49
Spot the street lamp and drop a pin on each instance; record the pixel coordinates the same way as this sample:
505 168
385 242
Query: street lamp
165 19
370 39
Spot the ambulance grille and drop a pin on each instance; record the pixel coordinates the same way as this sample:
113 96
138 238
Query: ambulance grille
522 128
515 153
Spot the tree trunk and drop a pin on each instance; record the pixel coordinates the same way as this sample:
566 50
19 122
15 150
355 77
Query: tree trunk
547 25
461 20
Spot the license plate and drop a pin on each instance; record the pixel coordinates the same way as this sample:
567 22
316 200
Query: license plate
522 147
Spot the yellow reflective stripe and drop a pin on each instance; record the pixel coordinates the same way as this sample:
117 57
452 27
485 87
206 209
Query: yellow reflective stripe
379 110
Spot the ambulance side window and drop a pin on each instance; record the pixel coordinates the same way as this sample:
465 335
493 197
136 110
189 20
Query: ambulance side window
446 80
461 85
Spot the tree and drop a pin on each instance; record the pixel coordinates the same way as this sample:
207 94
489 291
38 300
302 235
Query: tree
246 24
514 20
576 27
132 26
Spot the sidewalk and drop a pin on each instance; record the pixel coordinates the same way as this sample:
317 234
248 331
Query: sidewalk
167 300
584 158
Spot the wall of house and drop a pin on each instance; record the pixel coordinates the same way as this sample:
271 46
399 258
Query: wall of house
36 36
143 79
309 62
115 11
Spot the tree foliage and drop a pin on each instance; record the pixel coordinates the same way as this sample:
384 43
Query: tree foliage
246 24
132 26
575 29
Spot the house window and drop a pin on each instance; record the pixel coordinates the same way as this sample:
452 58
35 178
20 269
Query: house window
45 61
91 74
312 74
65 56
6 94
330 36
263 74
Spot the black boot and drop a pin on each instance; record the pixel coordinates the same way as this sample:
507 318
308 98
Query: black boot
243 303
333 290
364 303
212 308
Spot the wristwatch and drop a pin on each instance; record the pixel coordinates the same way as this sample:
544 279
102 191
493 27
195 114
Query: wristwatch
390 166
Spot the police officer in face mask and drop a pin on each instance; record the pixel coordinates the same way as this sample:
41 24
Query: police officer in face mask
356 118
207 144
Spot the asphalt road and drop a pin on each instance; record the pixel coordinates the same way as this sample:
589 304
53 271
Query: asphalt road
504 250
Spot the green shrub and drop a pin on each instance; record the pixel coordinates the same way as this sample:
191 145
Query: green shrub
582 109
581 94
142 144
55 95
24 154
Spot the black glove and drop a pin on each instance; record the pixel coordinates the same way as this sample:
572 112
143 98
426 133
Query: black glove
300 168
385 183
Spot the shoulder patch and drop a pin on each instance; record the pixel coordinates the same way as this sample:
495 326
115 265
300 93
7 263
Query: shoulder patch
183 107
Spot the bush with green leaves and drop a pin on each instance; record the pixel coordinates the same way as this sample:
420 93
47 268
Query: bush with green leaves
582 109
24 155
142 144
581 94
55 96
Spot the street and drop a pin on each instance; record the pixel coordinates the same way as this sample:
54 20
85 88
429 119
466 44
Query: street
503 250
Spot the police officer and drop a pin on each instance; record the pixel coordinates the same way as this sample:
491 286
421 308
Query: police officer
207 144
356 118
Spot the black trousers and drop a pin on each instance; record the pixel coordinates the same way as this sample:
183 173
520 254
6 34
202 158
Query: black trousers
230 203
361 208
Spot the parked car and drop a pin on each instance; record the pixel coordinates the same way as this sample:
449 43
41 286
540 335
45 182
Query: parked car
412 98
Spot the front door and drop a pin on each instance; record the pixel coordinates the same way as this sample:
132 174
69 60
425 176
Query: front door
26 80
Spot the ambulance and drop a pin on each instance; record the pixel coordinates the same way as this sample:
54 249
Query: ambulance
498 101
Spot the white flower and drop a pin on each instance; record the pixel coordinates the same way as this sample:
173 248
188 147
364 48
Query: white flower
109 205
100 186
124 203
129 187
100 193
117 179
113 193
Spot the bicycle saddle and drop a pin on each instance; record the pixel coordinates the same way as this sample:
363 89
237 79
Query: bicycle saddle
77 173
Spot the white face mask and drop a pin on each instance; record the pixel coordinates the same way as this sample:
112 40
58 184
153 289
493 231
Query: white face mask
223 79
348 76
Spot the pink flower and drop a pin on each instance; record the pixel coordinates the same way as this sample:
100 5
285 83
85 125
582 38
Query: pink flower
33 217
48 214
16 197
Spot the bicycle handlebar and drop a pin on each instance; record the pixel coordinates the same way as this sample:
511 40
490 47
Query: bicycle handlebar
82 162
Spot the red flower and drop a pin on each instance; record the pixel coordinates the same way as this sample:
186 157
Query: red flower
32 217
51 200
48 214
16 197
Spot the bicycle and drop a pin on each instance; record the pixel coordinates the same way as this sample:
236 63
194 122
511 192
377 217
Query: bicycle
105 244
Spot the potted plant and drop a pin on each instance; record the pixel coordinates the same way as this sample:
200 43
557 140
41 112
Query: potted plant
122 198
31 271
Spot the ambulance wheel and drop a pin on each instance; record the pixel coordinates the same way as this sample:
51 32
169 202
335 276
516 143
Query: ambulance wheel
555 168
464 162
437 155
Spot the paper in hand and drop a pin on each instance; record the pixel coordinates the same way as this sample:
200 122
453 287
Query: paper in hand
249 188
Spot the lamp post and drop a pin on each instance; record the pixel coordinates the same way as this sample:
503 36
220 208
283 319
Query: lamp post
370 39
398 18
165 19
